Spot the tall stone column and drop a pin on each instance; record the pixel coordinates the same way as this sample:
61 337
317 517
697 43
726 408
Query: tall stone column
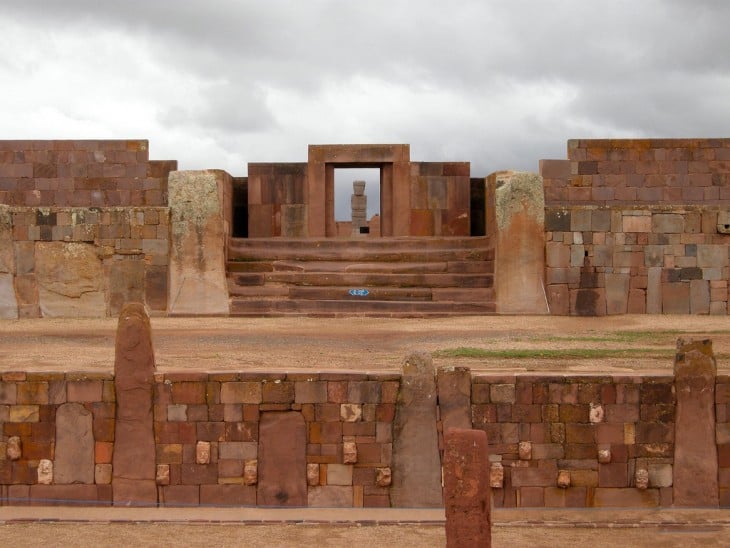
695 450
199 203
133 460
416 461
359 207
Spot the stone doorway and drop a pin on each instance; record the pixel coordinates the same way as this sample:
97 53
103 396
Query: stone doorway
357 202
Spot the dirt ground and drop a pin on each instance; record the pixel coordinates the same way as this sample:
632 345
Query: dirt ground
295 535
365 344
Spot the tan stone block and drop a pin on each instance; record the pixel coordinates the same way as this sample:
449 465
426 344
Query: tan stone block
250 472
632 223
241 392
24 413
103 474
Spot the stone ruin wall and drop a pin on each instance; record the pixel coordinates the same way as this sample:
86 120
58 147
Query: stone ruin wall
83 228
638 226
554 440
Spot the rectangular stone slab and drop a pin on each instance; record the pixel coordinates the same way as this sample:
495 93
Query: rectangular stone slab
282 460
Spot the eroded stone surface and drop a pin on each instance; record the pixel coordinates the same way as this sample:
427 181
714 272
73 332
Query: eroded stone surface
496 475
641 478
383 477
416 462
250 472
134 473
162 474
198 241
74 454
695 451
202 452
8 300
454 397
520 253
45 472
524 450
563 479
312 474
467 493
70 279
349 452
14 448
351 412
604 455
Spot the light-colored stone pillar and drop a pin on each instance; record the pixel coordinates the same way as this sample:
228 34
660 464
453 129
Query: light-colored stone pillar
519 262
695 450
8 300
199 228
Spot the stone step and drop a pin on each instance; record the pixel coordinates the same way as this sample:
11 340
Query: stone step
459 267
357 251
362 280
297 307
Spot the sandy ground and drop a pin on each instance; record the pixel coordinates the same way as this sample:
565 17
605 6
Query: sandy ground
364 344
295 535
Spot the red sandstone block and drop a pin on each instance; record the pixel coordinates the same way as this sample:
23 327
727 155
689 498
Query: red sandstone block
103 452
103 429
242 431
579 433
613 475
228 495
188 392
32 392
43 432
83 391
621 413
278 392
526 413
647 432
211 431
627 498
606 433
573 413
580 451
180 495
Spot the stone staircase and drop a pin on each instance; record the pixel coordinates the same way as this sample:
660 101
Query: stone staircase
392 277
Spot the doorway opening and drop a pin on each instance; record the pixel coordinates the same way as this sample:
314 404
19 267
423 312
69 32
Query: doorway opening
357 205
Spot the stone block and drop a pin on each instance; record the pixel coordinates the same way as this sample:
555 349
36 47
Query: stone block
675 298
241 392
197 248
339 474
580 220
330 496
699 297
282 460
667 223
351 412
695 451
558 299
625 498
133 480
712 256
558 220
617 293
557 255
310 392
467 491
8 300
74 451
126 283
416 460
69 277
227 495
636 223
454 397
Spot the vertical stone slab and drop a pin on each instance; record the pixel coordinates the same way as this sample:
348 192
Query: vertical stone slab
282 466
695 451
198 233
74 453
454 397
467 492
8 299
416 462
519 264
133 460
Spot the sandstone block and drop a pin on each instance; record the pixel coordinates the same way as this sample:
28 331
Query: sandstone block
351 412
14 449
524 450
45 472
349 452
133 480
162 474
312 474
197 248
74 454
202 452
330 496
695 452
8 300
496 475
454 397
103 474
641 478
282 460
250 472
339 474
563 479
467 491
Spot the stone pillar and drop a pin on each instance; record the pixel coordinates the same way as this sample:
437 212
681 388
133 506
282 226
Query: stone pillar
467 494
134 471
519 262
359 207
695 450
454 397
74 452
416 464
198 238
8 300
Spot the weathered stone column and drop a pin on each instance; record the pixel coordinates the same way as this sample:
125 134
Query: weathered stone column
8 300
454 397
519 262
695 450
199 201
133 468
467 494
416 462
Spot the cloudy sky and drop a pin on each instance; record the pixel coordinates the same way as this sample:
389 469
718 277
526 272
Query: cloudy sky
501 84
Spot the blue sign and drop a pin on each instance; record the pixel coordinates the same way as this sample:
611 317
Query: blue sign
359 292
